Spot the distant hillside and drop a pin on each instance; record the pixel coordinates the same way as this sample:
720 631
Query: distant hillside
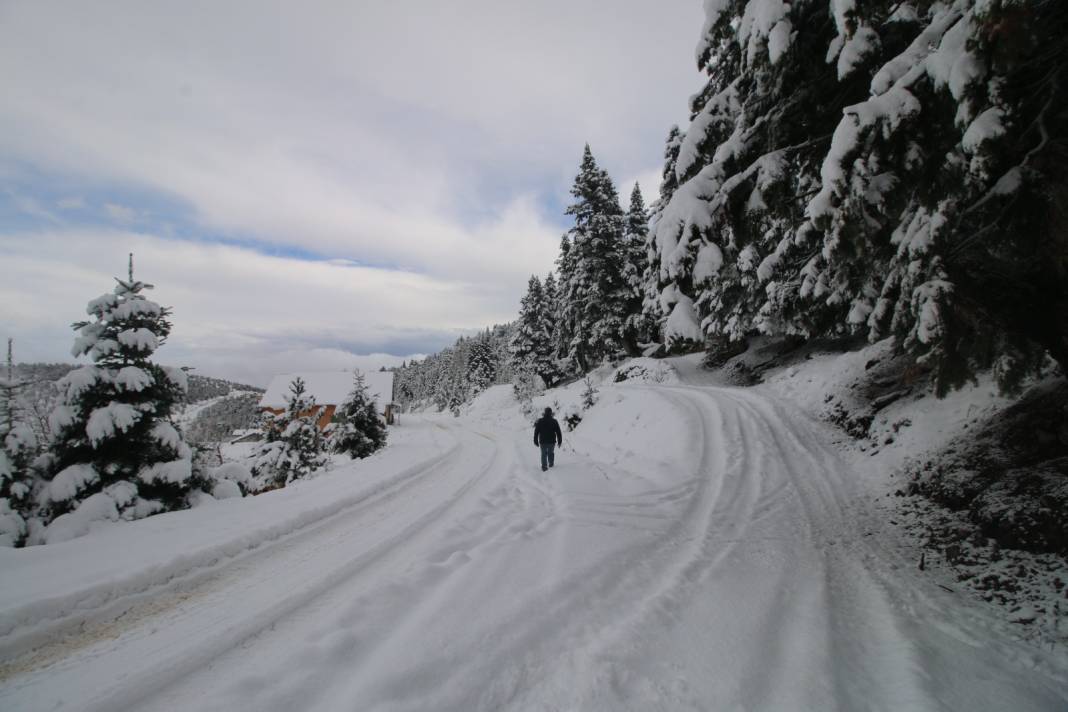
201 388
214 406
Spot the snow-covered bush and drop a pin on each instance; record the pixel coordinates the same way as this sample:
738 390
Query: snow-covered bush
526 385
589 393
293 445
645 370
116 452
357 429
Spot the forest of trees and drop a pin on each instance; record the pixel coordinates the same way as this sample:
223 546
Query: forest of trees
453 376
890 169
884 169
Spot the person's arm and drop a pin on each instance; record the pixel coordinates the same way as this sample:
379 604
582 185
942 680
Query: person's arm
535 433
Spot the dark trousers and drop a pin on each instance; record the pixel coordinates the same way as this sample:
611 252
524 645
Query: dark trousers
547 454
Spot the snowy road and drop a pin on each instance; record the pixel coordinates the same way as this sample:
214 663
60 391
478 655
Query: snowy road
694 548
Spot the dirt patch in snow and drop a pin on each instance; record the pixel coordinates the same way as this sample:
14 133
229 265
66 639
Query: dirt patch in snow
1030 588
1011 476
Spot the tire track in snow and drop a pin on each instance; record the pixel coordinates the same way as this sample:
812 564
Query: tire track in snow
590 606
97 612
875 650
922 633
841 592
165 667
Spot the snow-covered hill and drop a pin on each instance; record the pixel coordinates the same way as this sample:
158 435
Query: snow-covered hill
697 546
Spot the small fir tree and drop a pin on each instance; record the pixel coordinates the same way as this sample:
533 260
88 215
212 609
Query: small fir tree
481 366
566 307
637 326
113 432
18 448
589 393
358 431
532 340
294 445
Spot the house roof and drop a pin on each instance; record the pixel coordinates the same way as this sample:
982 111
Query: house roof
329 387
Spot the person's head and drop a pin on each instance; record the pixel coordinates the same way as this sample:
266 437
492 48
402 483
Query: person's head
548 413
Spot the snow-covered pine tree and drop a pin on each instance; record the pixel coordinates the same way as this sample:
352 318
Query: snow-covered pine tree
18 449
114 440
532 340
358 431
551 315
481 365
454 375
880 168
293 444
441 375
459 391
637 327
940 219
565 309
597 286
754 146
656 280
500 338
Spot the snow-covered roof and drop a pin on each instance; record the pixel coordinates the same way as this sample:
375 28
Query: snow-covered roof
329 387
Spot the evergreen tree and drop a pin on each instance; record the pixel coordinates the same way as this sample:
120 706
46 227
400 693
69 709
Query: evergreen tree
114 433
637 327
656 280
874 168
358 431
442 378
528 327
532 340
293 443
949 181
551 315
597 288
18 448
455 375
566 307
481 364
458 389
755 142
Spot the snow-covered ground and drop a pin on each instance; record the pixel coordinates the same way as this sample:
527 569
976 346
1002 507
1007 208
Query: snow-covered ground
695 547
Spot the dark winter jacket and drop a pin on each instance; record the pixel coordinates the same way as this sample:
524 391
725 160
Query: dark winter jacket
546 430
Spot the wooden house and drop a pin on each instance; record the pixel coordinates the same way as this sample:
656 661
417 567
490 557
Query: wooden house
330 389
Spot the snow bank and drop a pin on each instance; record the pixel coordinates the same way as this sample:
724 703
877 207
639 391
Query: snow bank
45 588
645 370
905 428
640 430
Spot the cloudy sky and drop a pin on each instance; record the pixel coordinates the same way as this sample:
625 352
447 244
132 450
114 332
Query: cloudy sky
314 185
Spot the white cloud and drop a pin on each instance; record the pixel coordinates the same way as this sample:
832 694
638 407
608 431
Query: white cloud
350 127
120 213
71 203
28 205
421 136
236 312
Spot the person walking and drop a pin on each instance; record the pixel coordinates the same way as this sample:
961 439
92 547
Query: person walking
547 435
